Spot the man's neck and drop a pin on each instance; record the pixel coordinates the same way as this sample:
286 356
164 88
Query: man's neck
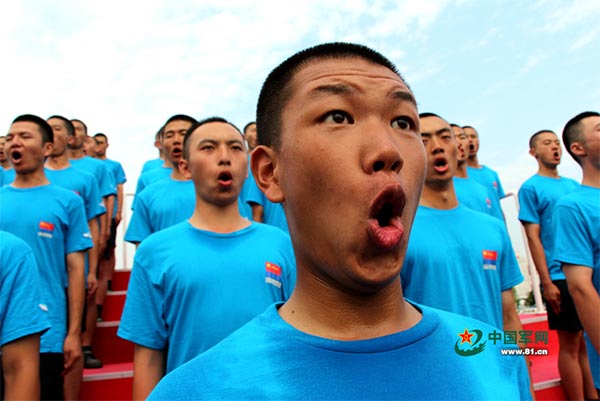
440 196
60 162
177 176
30 180
75 153
461 170
216 218
5 165
546 171
591 176
473 162
320 309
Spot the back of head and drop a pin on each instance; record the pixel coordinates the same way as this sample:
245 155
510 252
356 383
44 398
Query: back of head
276 92
573 131
44 127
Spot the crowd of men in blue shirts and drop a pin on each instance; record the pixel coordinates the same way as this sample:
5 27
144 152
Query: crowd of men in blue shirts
327 300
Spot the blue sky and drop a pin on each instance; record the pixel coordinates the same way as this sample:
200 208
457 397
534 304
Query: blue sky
509 68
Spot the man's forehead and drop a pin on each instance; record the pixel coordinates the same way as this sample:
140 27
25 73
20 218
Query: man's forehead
216 131
177 124
23 126
344 71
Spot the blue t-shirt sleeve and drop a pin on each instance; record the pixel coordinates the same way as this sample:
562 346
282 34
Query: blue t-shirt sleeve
528 205
21 313
255 195
96 207
501 193
142 322
120 174
140 226
572 242
510 272
78 237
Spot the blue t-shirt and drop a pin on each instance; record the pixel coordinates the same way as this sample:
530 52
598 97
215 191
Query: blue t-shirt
99 170
9 176
151 165
83 184
52 231
190 288
576 224
488 178
477 197
537 197
150 177
118 174
461 261
159 206
268 359
22 308
273 213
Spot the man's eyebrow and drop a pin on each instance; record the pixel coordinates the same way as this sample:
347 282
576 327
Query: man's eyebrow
438 132
334 89
404 96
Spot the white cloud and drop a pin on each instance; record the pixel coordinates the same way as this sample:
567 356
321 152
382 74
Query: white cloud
585 39
566 14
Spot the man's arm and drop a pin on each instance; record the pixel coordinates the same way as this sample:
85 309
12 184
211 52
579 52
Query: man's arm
76 291
20 365
511 322
551 292
586 298
148 369
119 215
92 278
257 212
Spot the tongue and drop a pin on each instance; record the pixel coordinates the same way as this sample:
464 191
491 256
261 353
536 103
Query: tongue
441 169
388 236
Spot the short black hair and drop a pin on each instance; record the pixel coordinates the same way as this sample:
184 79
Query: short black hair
80 122
100 134
214 119
275 91
180 117
44 128
469 126
159 133
68 124
573 132
248 126
455 125
534 137
425 115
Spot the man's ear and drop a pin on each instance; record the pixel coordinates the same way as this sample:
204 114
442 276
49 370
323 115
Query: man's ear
265 169
184 169
48 148
532 152
578 149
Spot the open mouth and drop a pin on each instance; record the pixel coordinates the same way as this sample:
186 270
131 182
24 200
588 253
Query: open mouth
177 152
440 165
385 226
471 147
225 178
556 155
16 156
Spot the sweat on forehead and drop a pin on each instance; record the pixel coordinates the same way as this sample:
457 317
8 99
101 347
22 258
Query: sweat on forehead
275 91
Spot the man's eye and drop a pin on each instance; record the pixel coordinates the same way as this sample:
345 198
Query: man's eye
338 117
402 123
